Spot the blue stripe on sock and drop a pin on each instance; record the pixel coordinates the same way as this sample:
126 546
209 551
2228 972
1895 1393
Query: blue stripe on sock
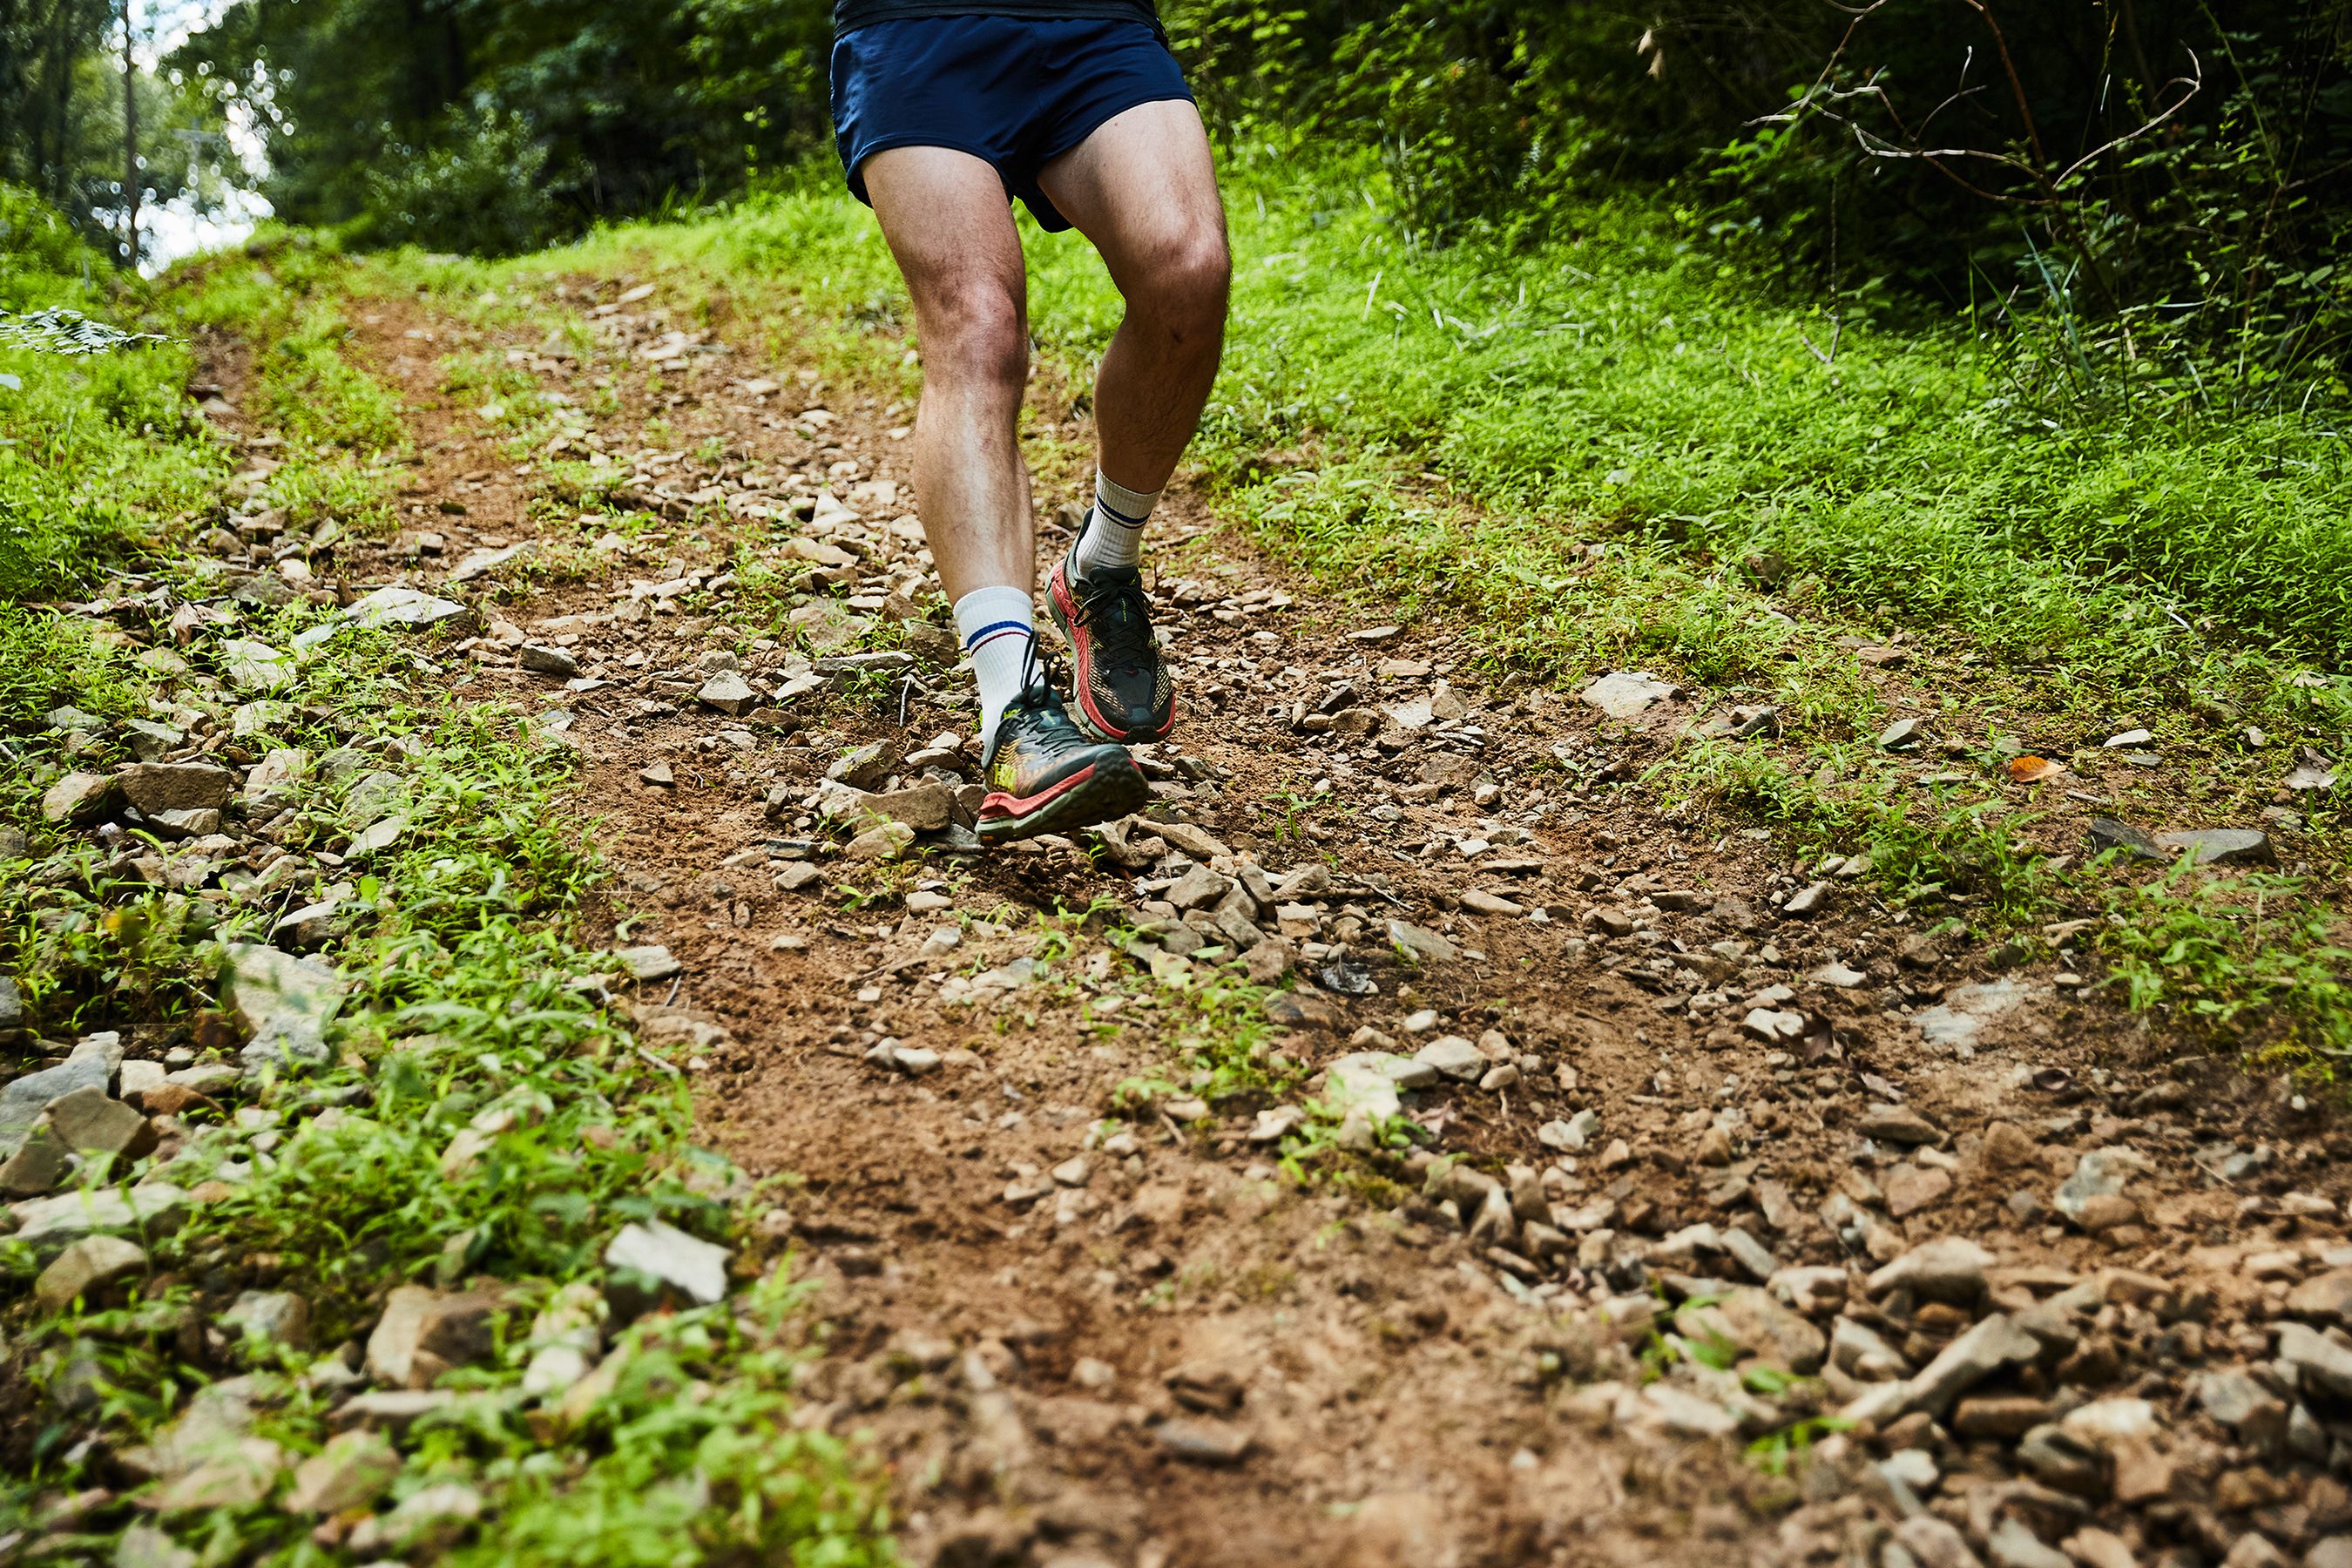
1116 515
993 627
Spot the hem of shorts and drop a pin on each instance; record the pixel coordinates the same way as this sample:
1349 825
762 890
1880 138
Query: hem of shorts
1111 111
854 177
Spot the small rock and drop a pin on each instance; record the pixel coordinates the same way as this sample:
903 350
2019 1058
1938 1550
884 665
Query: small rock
77 799
541 660
404 608
694 1267
352 1472
88 1122
285 1002
649 963
1808 900
1421 944
1204 1440
1903 732
2218 846
424 1332
886 842
1899 1124
1948 1268
2100 1175
1452 1056
274 1318
1627 694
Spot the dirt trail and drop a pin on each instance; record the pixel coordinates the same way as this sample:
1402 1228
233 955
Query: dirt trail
1687 1069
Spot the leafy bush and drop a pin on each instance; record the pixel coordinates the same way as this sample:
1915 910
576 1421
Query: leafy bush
480 187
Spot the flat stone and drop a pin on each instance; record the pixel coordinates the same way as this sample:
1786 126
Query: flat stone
1950 1268
352 1472
1204 1440
22 1102
88 1122
1627 694
89 1264
887 842
1664 1407
2324 1299
40 1165
1808 900
1421 944
1454 1056
155 787
541 660
648 963
1902 734
926 808
423 1333
239 1476
404 608
1913 1189
2004 1415
284 1002
694 1267
77 799
2218 846
390 1409
1899 1124
56 1222
1993 1345
257 667
727 692
2322 1364
277 1317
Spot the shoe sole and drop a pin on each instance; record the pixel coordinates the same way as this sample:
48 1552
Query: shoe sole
1092 722
1101 793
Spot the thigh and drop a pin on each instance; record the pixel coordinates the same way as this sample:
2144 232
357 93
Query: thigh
1142 187
945 216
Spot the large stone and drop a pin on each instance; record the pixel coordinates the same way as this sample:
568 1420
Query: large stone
424 1332
649 963
1627 694
1899 1124
22 1102
2218 846
89 1264
12 1006
77 799
145 1546
2324 1299
1452 1056
727 692
1948 1268
277 774
1991 1345
886 842
2101 1174
405 608
88 1122
925 807
257 667
2322 1363
1761 1326
40 1165
238 1476
285 1002
2239 1402
350 1472
1421 944
158 788
687 1265
278 1318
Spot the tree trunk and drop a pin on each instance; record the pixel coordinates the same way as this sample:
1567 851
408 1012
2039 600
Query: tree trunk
130 144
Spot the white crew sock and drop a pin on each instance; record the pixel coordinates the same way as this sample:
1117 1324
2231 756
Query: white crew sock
1113 535
998 626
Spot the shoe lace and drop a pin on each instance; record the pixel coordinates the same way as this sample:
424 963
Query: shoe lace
1119 612
1041 676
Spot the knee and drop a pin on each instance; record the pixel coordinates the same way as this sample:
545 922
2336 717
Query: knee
1190 280
977 332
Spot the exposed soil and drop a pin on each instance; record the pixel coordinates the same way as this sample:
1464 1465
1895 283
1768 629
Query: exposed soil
1056 1361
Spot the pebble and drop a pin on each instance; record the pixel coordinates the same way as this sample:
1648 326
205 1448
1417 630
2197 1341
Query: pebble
87 1266
693 1266
1452 1056
1204 1440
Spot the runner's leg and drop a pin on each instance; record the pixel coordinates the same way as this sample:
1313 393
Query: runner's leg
1144 190
946 219
945 216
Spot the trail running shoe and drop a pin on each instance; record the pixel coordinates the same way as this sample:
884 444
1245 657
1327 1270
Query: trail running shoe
1122 685
1044 776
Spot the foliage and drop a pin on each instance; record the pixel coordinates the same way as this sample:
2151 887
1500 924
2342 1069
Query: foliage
480 187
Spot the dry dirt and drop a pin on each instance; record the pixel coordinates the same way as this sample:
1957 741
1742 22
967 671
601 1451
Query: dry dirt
1056 1364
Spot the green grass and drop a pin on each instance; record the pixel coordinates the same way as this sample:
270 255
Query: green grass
476 1007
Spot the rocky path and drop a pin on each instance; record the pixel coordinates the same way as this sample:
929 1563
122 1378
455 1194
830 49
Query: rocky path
1624 1144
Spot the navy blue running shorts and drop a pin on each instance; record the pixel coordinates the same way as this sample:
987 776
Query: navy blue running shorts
1016 92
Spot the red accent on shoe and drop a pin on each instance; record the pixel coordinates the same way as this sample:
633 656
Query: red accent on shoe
1002 805
1058 586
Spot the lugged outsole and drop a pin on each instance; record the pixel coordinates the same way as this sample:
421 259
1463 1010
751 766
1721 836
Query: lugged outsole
1111 791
